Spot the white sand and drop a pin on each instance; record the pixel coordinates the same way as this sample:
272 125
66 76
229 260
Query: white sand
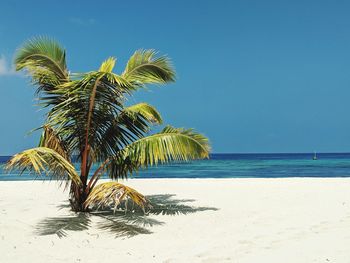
258 220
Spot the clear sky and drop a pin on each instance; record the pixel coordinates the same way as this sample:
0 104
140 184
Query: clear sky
254 76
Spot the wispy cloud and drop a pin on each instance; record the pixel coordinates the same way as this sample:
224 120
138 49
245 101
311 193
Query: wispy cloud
6 69
82 21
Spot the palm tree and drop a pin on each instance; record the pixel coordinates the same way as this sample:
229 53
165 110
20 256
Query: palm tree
87 121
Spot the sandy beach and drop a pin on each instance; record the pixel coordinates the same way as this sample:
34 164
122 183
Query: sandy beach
222 220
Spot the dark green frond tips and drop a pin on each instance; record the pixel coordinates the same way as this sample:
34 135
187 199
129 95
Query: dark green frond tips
42 52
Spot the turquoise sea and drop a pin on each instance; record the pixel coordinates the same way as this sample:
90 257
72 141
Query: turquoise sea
239 165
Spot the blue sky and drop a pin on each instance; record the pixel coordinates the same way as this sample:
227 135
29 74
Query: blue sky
254 76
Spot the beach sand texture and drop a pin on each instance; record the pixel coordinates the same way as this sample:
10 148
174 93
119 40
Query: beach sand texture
231 220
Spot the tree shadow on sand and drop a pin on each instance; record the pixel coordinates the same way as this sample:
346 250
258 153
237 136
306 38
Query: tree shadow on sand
120 223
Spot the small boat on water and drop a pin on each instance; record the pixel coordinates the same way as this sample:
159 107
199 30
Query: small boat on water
315 156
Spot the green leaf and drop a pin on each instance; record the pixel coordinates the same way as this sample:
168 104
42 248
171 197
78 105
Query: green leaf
171 144
42 54
144 110
145 68
108 65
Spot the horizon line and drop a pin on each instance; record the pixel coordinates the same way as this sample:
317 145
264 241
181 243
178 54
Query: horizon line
254 153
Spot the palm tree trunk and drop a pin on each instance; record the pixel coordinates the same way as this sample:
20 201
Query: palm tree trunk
78 198
78 194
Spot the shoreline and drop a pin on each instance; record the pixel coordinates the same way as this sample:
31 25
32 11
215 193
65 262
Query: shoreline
195 178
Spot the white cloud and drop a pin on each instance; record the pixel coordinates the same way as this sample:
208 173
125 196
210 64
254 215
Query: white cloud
6 68
82 22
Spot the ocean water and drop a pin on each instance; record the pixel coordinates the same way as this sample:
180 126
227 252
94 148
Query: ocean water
238 166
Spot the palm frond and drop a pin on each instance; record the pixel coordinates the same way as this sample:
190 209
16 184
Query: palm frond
50 139
132 123
171 144
144 67
41 55
108 65
144 110
44 161
113 194
91 103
